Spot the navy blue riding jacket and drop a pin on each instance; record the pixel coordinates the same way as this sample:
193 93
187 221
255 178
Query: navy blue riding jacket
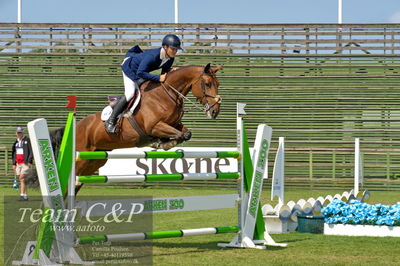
137 64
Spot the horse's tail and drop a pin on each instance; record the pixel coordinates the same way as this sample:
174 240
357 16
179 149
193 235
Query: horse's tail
56 137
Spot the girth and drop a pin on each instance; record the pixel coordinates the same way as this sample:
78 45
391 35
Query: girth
143 136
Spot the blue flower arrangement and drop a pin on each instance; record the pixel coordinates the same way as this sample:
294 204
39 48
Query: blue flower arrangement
356 212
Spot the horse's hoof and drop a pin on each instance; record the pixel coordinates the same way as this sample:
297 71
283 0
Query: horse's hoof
155 145
187 135
169 145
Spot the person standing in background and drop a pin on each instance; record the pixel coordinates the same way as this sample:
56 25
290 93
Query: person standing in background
22 158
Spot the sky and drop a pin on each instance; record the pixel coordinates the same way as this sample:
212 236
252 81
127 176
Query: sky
201 11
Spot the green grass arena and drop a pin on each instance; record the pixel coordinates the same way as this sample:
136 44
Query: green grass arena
303 248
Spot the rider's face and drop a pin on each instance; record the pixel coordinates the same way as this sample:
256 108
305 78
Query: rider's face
171 52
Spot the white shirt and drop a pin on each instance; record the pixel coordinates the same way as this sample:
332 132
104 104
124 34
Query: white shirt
163 56
18 147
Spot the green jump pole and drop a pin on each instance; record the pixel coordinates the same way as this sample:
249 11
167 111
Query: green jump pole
157 235
156 177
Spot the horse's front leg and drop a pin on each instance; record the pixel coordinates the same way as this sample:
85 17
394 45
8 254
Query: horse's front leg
162 130
187 134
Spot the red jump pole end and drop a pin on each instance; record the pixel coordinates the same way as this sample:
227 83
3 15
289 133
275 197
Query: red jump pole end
71 102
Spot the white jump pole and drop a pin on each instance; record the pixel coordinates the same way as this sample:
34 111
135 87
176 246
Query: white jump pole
279 173
358 173
242 195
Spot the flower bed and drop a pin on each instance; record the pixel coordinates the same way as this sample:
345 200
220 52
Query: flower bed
361 219
339 212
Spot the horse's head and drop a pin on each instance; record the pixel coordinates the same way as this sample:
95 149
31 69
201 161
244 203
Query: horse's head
206 91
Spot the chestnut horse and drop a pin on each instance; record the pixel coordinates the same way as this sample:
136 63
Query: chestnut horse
158 115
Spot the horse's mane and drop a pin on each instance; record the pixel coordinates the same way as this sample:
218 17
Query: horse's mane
149 85
172 73
178 71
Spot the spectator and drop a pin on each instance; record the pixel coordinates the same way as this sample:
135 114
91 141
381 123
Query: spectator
22 158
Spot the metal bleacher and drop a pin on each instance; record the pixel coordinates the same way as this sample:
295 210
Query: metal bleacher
318 102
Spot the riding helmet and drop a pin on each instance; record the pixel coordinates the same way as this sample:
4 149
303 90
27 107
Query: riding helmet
172 40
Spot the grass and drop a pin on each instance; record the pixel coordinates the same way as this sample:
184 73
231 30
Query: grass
303 249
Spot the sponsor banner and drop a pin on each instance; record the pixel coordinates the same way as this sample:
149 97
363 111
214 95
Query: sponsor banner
169 166
156 205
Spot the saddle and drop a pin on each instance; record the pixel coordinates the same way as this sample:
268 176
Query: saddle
112 101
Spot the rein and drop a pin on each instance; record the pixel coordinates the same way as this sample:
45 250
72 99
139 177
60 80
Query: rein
180 95
206 107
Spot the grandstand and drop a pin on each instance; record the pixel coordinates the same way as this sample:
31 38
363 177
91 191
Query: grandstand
319 86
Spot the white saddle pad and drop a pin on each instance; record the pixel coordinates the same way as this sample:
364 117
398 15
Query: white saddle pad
105 114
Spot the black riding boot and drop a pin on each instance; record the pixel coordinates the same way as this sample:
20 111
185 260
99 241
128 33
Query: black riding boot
110 124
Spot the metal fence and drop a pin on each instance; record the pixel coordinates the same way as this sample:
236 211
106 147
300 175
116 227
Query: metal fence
282 39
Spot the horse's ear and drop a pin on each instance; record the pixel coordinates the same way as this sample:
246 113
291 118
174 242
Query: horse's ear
207 68
215 69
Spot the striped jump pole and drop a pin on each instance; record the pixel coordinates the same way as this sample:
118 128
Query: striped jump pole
156 177
157 235
156 154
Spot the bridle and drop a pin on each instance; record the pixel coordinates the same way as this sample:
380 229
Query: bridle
207 107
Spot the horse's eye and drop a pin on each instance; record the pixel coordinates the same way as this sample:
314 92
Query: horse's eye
208 85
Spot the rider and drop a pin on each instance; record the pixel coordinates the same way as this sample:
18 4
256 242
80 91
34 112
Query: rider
135 70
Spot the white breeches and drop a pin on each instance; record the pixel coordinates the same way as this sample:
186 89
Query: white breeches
130 88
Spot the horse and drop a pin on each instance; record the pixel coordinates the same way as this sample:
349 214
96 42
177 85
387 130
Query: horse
156 122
